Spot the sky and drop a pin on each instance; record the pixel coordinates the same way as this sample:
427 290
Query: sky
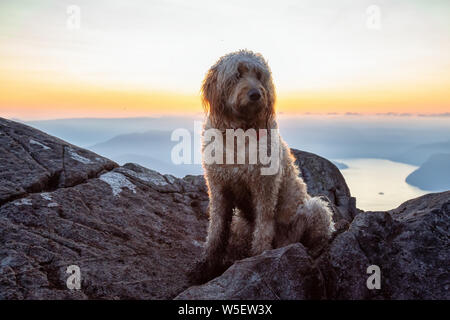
125 58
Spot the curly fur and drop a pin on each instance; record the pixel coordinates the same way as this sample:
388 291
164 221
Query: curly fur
250 212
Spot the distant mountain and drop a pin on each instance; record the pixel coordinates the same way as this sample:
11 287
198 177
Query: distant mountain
340 165
153 143
159 165
333 137
88 131
433 175
151 149
421 153
363 137
147 140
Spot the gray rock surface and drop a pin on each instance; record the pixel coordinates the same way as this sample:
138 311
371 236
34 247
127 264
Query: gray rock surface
135 233
32 161
410 245
131 237
284 273
132 231
324 179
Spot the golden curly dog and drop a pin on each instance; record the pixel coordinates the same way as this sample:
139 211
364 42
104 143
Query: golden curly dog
249 211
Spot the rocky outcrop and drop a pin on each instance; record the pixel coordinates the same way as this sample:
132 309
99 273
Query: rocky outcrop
135 233
410 245
32 161
324 179
132 231
284 273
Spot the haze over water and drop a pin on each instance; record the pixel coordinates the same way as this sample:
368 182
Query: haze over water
379 184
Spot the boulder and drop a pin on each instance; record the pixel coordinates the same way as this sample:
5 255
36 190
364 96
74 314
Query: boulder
410 246
132 231
324 179
32 161
285 273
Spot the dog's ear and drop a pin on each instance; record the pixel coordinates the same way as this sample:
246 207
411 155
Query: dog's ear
211 95
271 97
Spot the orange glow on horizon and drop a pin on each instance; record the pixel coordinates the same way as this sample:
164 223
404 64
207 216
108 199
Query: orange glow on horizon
53 101
414 99
32 100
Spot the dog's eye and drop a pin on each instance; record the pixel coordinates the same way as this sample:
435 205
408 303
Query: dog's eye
258 75
238 75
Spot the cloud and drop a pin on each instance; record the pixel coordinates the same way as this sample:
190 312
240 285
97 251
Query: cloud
353 114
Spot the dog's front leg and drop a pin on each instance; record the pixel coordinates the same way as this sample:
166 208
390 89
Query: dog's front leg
220 212
264 231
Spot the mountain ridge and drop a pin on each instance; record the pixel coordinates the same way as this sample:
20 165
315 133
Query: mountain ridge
433 174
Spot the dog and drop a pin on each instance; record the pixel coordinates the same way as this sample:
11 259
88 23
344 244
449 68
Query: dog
250 212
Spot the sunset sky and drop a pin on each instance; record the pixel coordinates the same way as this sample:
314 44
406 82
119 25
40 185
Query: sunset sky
143 57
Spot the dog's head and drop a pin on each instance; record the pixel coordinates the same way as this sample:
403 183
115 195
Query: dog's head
239 87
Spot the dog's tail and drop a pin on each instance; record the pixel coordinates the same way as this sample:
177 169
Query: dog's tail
313 223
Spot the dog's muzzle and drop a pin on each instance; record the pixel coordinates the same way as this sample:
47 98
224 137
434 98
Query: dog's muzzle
254 94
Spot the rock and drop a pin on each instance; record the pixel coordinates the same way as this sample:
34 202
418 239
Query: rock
33 161
132 231
323 178
129 239
410 245
254 278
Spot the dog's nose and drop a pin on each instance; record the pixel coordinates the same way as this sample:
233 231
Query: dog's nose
254 94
